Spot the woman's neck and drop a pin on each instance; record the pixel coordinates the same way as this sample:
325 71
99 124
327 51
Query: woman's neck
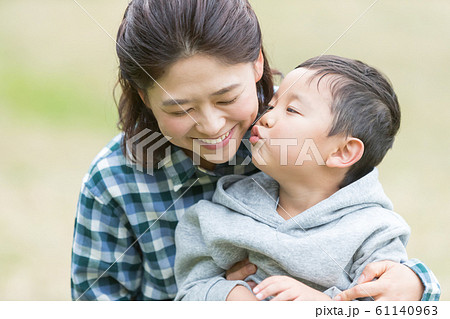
203 163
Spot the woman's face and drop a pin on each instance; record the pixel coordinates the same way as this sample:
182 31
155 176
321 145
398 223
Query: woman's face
205 106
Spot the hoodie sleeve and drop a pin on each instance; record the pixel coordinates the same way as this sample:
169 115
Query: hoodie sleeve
387 242
393 250
197 275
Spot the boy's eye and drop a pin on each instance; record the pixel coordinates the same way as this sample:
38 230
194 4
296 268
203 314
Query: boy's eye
227 102
291 109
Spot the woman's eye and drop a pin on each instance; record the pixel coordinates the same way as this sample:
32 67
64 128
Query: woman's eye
269 107
227 102
182 112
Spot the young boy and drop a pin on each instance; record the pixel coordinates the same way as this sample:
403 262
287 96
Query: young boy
316 215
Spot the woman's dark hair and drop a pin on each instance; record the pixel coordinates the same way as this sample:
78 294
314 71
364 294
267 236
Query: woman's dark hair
156 33
364 106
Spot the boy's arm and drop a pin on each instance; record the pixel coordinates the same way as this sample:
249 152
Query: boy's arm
388 242
197 275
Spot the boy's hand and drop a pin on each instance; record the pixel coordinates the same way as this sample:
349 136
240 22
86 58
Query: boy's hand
286 288
241 293
396 282
240 271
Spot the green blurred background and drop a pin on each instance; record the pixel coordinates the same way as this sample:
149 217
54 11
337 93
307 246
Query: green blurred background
58 70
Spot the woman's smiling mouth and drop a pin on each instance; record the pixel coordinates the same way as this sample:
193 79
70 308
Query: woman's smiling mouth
215 141
221 141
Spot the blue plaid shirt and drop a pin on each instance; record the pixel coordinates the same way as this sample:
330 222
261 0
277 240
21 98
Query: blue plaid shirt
123 247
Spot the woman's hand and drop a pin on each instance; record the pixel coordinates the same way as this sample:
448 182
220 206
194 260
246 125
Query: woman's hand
395 282
240 271
285 288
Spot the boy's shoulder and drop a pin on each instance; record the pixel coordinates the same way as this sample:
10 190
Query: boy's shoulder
378 217
373 225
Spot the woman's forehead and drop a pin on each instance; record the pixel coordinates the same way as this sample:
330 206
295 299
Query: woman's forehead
203 74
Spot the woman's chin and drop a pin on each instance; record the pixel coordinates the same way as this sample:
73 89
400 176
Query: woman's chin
216 158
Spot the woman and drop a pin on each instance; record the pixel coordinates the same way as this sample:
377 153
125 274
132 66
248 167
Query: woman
193 71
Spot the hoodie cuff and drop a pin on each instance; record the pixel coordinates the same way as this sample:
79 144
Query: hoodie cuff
221 288
332 292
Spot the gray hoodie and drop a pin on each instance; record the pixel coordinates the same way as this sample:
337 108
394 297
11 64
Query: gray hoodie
325 247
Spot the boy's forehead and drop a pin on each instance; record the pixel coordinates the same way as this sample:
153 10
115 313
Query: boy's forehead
298 75
301 77
304 79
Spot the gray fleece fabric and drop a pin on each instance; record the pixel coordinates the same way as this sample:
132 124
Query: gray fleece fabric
326 247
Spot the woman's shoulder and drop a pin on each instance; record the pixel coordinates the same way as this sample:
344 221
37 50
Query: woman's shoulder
110 171
111 150
110 157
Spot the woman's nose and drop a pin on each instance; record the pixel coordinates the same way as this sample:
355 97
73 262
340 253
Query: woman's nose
211 123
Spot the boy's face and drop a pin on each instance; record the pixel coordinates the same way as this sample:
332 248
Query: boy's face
293 135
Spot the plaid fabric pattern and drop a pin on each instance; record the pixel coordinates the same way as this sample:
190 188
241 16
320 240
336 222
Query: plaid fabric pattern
119 205
432 291
123 245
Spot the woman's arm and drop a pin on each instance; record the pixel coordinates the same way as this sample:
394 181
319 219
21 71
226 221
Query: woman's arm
412 280
432 289
100 237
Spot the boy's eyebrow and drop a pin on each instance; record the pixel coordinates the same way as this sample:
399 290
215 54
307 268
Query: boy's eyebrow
300 97
297 96
275 96
172 102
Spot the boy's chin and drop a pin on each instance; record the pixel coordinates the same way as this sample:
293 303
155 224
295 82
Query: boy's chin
280 172
267 168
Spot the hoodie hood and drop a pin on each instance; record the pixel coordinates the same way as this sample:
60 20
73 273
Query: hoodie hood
256 196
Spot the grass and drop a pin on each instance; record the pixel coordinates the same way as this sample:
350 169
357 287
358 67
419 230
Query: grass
57 71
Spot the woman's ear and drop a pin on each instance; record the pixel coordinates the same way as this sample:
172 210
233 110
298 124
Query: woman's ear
347 154
143 97
259 66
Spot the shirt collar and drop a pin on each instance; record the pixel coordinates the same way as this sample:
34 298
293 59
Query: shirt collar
178 167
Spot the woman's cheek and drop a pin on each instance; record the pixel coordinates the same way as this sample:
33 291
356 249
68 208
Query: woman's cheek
248 110
174 127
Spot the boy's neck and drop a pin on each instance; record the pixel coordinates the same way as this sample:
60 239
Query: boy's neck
297 195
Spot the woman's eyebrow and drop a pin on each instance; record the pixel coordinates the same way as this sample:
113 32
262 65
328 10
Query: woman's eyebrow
226 89
172 102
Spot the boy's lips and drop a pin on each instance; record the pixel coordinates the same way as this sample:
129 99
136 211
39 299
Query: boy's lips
255 135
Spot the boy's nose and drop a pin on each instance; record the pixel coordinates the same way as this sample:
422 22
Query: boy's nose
267 120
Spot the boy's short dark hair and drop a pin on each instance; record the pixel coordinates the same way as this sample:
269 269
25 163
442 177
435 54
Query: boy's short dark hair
364 106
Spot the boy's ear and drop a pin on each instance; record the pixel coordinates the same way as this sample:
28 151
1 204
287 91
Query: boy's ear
259 67
347 154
